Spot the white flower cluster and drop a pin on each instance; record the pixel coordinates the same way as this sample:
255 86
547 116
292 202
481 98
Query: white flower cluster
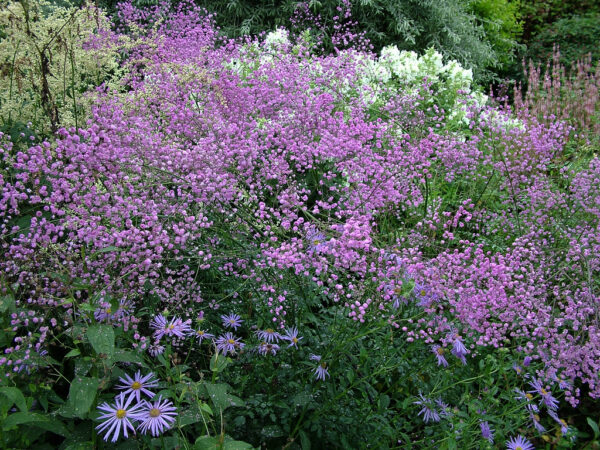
277 39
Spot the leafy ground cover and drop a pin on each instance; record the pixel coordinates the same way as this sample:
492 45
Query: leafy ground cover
251 243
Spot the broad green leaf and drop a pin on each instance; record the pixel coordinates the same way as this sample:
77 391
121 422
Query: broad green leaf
127 356
42 421
15 396
81 397
102 338
206 443
220 398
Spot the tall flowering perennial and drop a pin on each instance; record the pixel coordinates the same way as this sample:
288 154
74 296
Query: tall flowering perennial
294 184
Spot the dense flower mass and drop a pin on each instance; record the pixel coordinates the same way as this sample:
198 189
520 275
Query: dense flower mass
362 207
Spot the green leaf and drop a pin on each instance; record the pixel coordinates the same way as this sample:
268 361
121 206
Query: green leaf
82 394
272 431
218 362
102 338
127 356
594 427
206 443
7 302
230 444
304 440
15 396
220 398
45 422
73 353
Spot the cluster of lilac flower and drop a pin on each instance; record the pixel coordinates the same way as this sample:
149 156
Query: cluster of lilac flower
155 416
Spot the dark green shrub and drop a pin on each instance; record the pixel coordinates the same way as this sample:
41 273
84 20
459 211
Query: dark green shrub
576 36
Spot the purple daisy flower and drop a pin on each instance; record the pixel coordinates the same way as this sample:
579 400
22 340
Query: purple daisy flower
291 335
269 335
232 321
137 385
445 411
563 383
536 422
527 361
550 401
428 411
156 349
118 416
486 431
317 241
517 368
265 348
564 428
157 416
439 351
106 314
201 335
314 357
519 443
229 344
528 398
176 327
423 294
321 371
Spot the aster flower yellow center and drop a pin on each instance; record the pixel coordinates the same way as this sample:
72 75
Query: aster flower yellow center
563 422
529 396
136 385
295 340
324 365
154 412
108 310
121 413
423 293
544 391
230 341
440 351
171 326
270 331
200 333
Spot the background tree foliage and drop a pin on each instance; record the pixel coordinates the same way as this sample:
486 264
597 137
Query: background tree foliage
480 34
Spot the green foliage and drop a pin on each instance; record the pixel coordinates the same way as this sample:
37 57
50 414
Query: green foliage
576 36
501 21
537 14
480 35
44 68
